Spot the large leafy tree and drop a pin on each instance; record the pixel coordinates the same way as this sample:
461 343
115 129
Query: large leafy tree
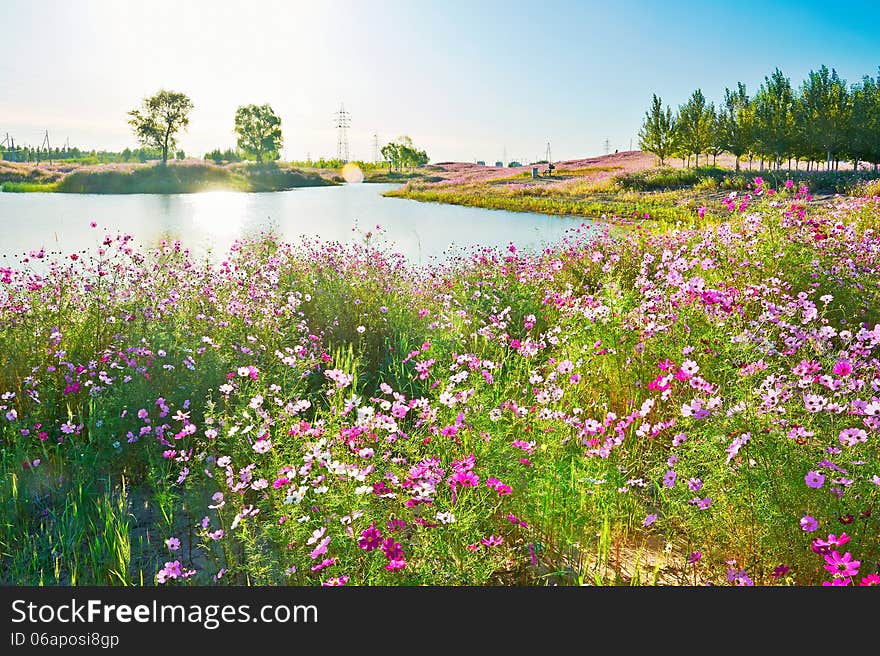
864 133
735 122
774 113
401 153
695 122
259 131
657 135
159 119
823 109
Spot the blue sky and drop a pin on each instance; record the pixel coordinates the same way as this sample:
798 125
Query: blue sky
464 79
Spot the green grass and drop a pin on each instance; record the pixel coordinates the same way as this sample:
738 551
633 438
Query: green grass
589 205
187 178
28 187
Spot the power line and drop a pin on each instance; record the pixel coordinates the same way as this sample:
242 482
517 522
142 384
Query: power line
343 122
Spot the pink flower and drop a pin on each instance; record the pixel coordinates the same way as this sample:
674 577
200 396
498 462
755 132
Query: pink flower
335 580
392 549
842 368
841 566
323 564
321 549
172 543
809 523
370 538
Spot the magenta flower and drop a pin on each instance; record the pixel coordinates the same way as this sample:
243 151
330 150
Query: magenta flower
809 523
870 579
370 538
814 480
780 571
172 543
841 566
492 541
392 549
842 368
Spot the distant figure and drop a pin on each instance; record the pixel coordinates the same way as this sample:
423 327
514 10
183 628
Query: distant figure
615 151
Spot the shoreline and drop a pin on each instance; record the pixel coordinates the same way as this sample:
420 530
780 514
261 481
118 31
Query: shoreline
187 176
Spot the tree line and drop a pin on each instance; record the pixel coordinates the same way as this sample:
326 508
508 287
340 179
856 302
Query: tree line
823 120
74 154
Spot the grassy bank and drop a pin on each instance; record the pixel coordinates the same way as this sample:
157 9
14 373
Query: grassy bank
177 177
631 407
624 185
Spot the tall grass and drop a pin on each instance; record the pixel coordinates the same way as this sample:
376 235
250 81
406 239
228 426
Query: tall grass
638 406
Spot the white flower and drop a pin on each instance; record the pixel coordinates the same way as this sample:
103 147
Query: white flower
445 517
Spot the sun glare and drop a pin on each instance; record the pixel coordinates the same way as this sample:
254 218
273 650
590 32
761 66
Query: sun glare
352 173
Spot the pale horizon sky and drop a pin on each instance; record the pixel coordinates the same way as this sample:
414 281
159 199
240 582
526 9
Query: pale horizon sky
465 80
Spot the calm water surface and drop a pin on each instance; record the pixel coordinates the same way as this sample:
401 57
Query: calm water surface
208 223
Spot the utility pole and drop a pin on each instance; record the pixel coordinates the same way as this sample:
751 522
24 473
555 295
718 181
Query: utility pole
607 146
343 122
375 147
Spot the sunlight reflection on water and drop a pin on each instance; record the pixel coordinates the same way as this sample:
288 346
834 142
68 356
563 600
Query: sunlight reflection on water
208 223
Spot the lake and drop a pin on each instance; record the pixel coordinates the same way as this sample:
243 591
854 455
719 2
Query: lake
209 222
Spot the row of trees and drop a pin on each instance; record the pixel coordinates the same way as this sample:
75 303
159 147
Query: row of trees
823 119
74 154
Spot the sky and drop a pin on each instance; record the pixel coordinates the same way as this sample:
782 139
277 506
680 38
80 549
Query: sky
465 80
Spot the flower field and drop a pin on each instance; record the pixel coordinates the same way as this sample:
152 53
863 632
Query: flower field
635 406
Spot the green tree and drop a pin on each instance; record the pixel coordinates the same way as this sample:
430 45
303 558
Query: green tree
735 122
716 135
774 115
658 130
259 131
864 133
823 109
391 155
159 119
402 153
695 121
